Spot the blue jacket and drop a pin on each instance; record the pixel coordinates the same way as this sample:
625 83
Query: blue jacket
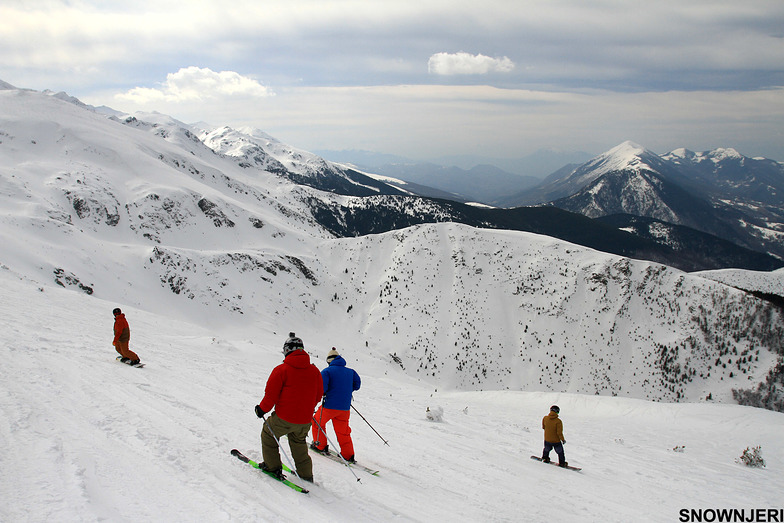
339 383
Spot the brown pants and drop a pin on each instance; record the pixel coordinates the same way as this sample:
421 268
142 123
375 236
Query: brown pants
296 434
122 348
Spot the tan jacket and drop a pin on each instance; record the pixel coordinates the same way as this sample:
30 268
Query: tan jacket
553 428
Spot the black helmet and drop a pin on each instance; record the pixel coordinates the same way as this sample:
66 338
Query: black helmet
555 409
292 344
116 311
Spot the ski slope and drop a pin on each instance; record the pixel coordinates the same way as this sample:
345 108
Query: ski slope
85 438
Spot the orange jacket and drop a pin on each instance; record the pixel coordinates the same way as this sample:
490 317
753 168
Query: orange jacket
553 428
122 332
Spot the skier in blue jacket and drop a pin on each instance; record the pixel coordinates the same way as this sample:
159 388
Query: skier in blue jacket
339 384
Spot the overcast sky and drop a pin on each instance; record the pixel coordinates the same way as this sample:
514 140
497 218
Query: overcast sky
423 78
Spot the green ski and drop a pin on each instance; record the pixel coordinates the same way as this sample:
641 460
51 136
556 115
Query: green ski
240 456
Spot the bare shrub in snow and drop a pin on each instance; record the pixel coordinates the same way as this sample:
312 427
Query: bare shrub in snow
752 457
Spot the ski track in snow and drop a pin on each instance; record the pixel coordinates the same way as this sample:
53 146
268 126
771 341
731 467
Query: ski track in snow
88 439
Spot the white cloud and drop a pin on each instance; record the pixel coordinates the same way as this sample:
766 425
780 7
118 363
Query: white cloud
197 84
466 63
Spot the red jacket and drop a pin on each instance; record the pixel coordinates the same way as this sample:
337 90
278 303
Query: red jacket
122 332
294 388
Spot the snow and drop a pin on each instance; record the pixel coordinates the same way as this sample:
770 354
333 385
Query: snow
487 328
716 156
89 439
724 153
761 281
627 156
623 156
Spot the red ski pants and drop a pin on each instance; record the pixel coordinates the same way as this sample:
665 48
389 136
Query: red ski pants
339 419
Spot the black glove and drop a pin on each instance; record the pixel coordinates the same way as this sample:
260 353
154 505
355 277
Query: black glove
260 413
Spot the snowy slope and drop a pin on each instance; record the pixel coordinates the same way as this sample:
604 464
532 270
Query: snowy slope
766 282
88 439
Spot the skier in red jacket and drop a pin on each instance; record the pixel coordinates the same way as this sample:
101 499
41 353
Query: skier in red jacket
294 388
122 335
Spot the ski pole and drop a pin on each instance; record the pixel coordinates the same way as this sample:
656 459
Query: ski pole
321 415
291 464
369 425
333 446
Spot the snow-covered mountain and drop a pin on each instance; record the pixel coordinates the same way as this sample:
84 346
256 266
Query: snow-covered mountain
256 148
87 439
720 192
727 174
629 179
214 262
387 203
147 214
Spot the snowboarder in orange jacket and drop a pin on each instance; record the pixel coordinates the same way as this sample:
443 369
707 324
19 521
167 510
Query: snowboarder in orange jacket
122 335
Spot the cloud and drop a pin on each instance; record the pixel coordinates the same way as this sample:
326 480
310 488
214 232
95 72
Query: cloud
464 63
198 84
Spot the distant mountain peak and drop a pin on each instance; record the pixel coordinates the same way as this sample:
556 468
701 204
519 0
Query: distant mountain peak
716 155
627 155
62 95
681 153
724 153
626 147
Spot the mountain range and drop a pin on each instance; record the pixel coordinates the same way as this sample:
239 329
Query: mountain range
534 166
232 229
718 200
390 205
720 192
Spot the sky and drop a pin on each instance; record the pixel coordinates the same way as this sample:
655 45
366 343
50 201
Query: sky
425 78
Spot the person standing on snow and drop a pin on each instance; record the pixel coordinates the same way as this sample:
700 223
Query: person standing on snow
339 384
294 388
553 436
122 336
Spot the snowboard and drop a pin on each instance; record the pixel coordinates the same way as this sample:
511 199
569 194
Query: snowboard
138 365
537 458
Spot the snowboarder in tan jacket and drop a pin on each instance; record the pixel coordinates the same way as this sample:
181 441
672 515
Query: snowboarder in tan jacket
553 436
